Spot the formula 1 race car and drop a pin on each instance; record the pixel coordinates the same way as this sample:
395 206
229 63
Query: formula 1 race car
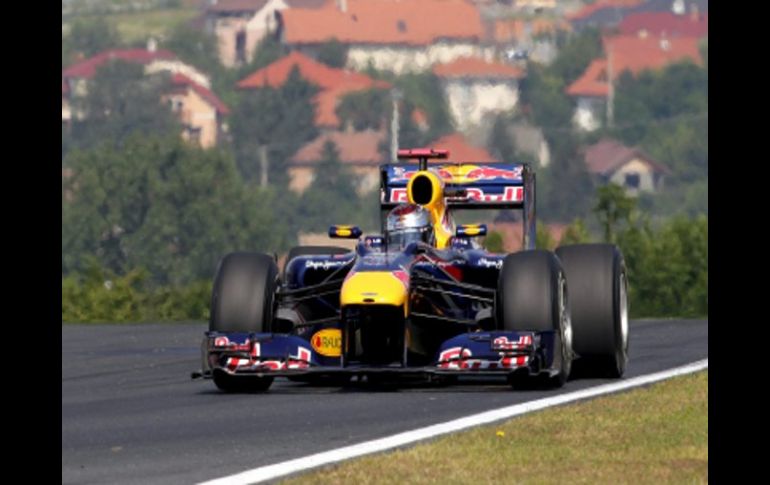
422 298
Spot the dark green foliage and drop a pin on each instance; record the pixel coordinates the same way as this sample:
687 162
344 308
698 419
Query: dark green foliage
564 188
424 91
162 205
333 53
88 36
665 113
100 295
268 51
122 101
613 208
195 47
576 233
282 119
370 109
543 239
331 195
501 144
667 266
494 242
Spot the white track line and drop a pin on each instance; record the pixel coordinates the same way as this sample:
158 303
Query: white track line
271 472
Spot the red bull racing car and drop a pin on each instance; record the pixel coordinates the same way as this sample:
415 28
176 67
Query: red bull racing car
423 297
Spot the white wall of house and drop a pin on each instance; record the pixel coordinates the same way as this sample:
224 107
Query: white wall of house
178 67
402 59
66 113
226 29
635 170
470 100
261 24
589 113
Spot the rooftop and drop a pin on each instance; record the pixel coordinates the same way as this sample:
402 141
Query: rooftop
411 22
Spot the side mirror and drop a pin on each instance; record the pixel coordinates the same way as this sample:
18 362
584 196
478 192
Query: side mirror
471 230
344 232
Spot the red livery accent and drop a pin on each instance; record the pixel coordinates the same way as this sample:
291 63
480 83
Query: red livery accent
502 343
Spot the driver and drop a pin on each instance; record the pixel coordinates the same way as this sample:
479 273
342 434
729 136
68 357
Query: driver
409 223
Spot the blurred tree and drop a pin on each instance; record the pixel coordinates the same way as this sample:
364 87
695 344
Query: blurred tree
501 144
333 53
364 110
195 47
576 233
331 198
122 101
494 242
160 204
88 36
612 208
280 119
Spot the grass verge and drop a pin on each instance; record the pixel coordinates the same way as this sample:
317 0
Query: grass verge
653 434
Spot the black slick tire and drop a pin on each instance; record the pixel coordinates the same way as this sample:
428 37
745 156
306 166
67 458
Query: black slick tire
598 283
532 296
242 300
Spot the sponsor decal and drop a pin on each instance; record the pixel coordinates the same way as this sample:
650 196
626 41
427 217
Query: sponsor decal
509 194
398 195
450 358
221 342
325 264
490 263
463 173
502 343
327 342
299 361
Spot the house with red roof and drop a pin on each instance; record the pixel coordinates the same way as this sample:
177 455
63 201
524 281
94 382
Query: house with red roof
240 25
358 150
475 89
633 53
333 83
695 24
612 162
394 35
198 108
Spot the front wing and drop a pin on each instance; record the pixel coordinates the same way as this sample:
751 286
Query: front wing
478 353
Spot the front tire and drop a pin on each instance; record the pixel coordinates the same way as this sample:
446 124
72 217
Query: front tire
242 298
598 283
532 296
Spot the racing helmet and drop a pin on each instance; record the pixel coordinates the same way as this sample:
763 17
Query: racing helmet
409 223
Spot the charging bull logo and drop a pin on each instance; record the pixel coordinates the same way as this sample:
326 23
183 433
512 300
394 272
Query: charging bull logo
464 173
509 194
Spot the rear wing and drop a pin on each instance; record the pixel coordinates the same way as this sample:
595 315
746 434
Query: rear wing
467 185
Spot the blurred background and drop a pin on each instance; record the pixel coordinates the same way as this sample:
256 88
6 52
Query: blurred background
192 128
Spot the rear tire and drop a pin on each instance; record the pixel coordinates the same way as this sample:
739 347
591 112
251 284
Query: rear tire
242 298
598 283
532 296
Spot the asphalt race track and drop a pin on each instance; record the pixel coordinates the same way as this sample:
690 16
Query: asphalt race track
131 413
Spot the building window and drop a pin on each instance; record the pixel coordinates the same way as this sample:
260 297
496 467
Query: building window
194 134
240 47
632 180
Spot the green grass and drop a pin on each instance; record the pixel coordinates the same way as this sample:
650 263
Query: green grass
649 435
139 26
